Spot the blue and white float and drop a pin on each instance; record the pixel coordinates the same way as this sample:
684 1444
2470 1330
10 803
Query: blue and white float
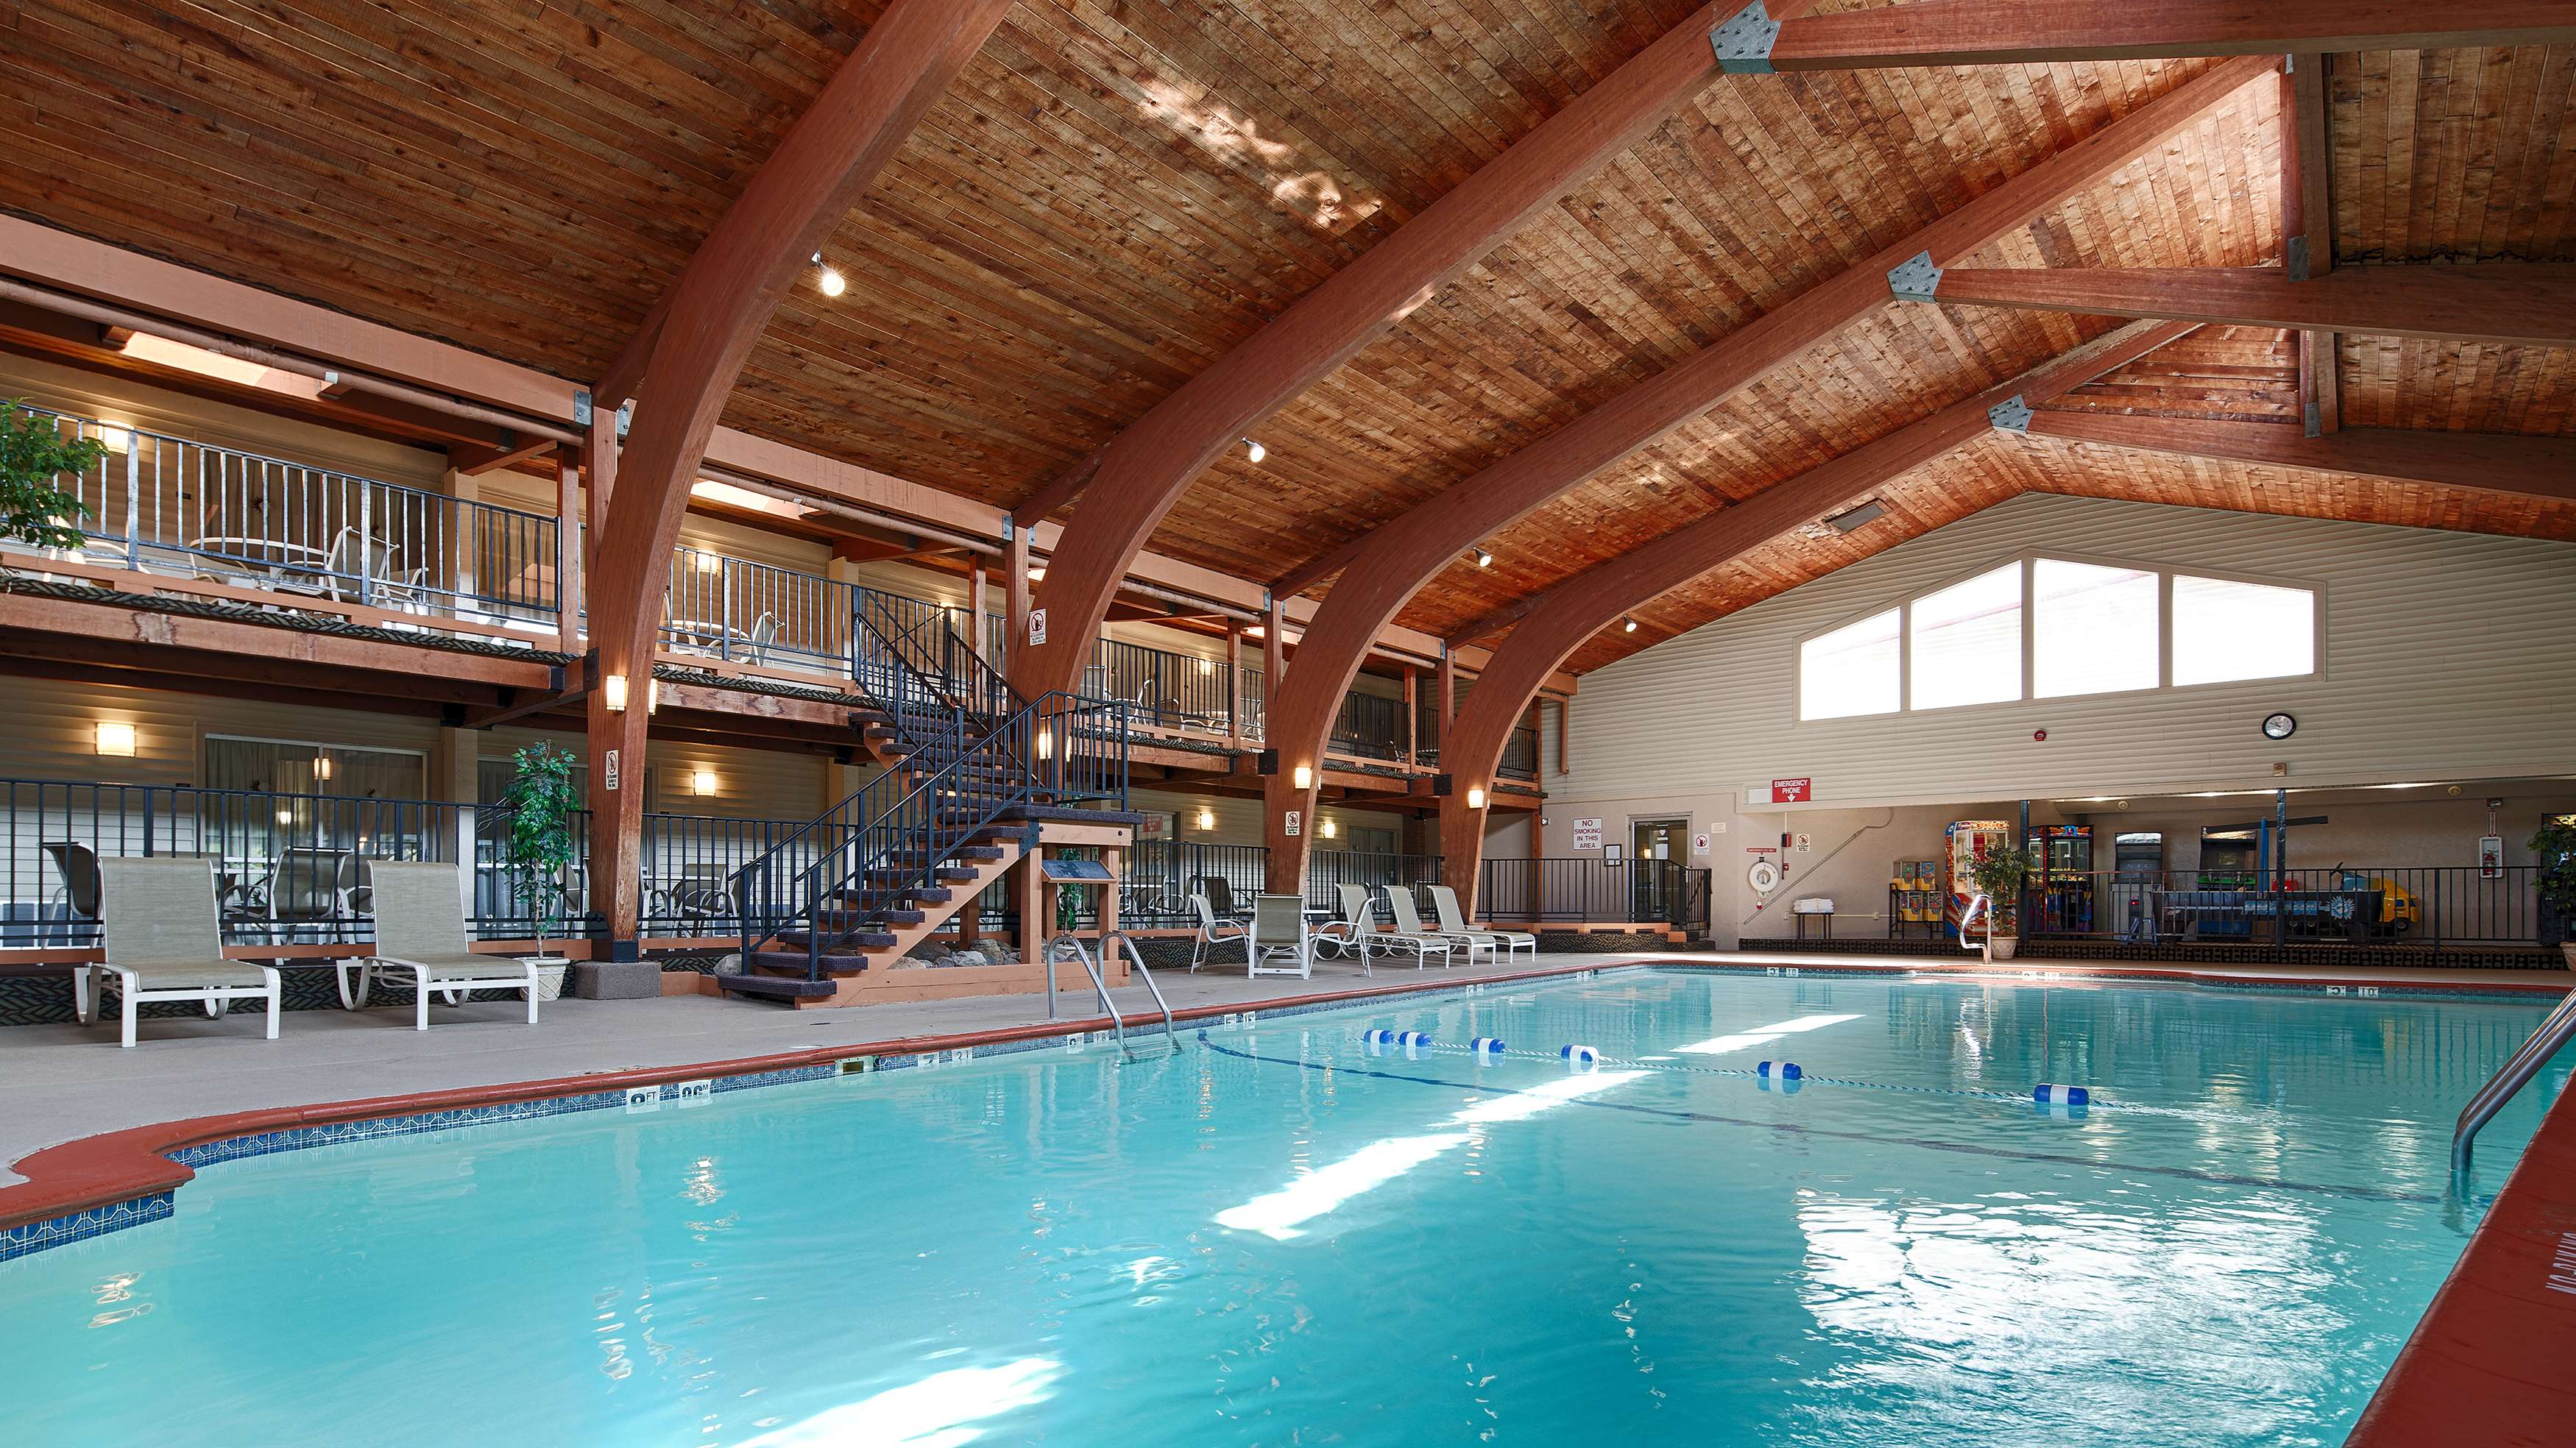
1413 1038
2061 1096
1779 1071
1485 1046
1584 1058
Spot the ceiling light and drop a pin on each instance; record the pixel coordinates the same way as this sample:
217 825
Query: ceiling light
1484 559
832 282
1851 518
1254 450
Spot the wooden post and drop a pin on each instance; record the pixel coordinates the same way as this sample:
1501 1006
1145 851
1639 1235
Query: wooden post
1274 655
599 480
567 558
1412 721
1564 733
1028 889
1234 684
1448 700
976 642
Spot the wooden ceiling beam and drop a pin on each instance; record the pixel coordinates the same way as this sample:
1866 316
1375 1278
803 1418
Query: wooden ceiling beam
699 342
1404 554
1136 477
475 461
2487 463
2051 32
2517 303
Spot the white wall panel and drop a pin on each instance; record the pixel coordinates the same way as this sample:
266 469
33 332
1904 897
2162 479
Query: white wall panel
2446 657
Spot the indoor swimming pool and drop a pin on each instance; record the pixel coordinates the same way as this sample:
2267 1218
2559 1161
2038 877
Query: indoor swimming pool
1284 1233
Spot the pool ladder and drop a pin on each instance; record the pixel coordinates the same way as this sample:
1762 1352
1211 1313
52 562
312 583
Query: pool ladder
1100 985
2517 1071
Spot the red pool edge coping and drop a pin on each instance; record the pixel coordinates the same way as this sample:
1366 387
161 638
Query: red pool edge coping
2486 1365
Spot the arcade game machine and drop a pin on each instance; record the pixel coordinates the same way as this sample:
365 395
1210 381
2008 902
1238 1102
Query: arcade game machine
2137 879
1962 842
2061 857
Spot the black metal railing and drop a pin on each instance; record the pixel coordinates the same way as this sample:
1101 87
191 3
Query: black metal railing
2419 905
1520 755
1162 688
1369 725
1328 870
1588 889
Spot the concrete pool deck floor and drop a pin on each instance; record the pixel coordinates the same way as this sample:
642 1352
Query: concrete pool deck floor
67 1082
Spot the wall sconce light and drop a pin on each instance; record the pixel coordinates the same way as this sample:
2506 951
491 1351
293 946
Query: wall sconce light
652 696
1207 818
116 738
285 815
1302 777
322 767
1046 744
702 782
115 436
1037 573
1207 666
1330 829
612 693
1475 799
707 562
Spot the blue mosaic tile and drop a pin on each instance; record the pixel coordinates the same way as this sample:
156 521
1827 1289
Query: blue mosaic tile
80 1226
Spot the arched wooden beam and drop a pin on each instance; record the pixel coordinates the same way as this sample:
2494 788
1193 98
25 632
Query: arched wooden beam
1400 556
699 343
1136 478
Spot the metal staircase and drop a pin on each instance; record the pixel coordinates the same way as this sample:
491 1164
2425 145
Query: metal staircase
969 766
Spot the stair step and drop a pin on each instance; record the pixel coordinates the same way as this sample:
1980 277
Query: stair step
776 987
842 930
774 963
956 874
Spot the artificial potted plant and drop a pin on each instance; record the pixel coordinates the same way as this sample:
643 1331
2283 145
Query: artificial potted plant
541 803
2000 874
2553 851
34 452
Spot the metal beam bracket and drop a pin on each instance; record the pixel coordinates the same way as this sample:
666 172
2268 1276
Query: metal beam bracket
625 417
1743 41
581 407
2011 415
2294 258
1915 279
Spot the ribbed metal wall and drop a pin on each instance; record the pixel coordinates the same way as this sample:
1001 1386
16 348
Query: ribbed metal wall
2447 656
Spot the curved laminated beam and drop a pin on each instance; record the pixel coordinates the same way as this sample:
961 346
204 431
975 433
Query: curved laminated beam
1999 32
699 341
2530 304
1135 479
1402 555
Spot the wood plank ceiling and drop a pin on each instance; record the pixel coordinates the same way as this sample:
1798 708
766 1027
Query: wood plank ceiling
1114 194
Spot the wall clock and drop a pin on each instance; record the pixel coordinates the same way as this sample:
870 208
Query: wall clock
2279 726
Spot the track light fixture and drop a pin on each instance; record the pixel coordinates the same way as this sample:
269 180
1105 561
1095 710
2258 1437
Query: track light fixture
1254 450
1484 559
1627 625
832 282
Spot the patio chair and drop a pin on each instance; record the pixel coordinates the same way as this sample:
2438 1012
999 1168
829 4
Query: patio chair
763 635
312 884
699 897
1453 921
1278 929
1408 921
1213 932
1341 936
76 900
1220 896
1373 941
164 943
420 930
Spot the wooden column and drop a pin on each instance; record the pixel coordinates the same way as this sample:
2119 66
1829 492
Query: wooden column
1448 700
1234 685
1285 870
616 816
976 628
1412 719
568 535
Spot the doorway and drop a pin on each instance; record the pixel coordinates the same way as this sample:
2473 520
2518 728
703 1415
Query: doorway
1655 873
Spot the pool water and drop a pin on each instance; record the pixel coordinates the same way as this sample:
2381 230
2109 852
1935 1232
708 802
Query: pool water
1278 1236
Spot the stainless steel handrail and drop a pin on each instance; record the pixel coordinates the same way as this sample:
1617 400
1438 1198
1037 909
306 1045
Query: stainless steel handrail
1091 968
1979 905
2553 1033
1137 958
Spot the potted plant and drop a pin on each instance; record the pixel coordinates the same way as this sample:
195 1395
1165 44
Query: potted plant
2553 851
541 804
2000 874
34 452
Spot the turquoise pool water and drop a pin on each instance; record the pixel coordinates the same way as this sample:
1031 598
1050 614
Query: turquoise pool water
1278 1237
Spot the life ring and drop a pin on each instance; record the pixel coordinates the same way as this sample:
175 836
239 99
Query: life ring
1764 877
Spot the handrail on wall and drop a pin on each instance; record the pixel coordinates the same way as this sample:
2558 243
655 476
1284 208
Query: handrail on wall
2553 1033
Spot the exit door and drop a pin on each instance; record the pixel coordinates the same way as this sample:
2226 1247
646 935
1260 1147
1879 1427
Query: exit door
1654 876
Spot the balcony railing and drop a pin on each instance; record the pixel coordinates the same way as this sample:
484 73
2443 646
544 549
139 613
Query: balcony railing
183 509
292 869
1588 889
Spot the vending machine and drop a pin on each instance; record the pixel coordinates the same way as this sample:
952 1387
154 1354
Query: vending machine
1964 841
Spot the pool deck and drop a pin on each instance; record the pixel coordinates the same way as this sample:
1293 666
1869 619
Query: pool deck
89 1122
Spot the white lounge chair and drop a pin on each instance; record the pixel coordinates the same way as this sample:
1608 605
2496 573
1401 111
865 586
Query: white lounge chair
1408 921
1444 905
1212 932
420 930
1278 929
1373 941
1342 937
165 943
